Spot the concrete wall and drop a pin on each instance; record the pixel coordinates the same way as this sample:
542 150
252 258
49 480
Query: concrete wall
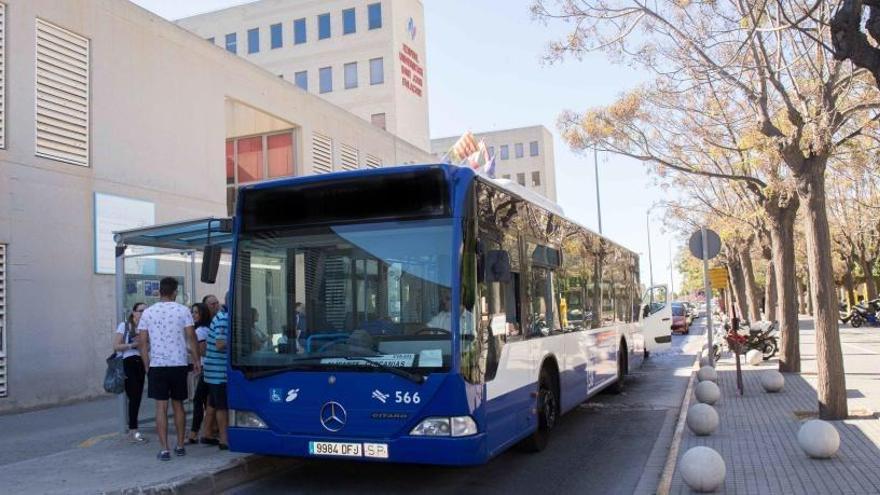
157 129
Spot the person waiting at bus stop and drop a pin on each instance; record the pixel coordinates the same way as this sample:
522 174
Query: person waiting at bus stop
125 342
167 335
215 372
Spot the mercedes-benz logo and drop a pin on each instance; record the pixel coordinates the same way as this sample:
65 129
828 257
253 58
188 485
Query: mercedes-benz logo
333 416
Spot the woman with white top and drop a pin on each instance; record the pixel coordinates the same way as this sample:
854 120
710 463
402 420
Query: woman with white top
125 343
201 314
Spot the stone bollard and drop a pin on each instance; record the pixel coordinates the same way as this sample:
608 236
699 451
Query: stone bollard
819 439
702 469
754 357
707 373
772 381
707 392
702 419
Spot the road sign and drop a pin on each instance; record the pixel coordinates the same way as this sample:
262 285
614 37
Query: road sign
713 244
718 278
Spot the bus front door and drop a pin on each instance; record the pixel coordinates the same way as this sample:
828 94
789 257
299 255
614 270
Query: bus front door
657 319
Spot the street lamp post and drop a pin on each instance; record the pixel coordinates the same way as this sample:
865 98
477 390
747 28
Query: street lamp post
650 261
598 203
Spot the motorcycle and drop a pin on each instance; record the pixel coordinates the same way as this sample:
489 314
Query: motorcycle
765 341
865 312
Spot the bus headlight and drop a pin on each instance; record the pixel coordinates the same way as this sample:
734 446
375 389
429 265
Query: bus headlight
456 426
246 419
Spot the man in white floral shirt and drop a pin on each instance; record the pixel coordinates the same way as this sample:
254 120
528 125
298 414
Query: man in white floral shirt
167 335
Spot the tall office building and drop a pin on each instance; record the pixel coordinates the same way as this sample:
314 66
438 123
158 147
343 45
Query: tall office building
523 155
366 56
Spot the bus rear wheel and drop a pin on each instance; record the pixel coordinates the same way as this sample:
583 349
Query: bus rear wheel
548 413
622 356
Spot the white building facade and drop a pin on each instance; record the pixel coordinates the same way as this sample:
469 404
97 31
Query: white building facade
112 118
366 56
523 155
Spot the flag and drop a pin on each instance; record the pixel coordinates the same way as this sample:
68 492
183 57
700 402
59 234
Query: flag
489 168
462 149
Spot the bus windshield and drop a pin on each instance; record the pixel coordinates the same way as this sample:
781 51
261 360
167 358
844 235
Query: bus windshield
344 296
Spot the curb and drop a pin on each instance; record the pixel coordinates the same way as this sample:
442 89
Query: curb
672 457
235 473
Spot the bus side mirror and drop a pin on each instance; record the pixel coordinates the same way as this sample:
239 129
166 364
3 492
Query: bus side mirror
210 263
647 311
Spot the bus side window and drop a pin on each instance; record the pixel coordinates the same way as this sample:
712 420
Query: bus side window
500 313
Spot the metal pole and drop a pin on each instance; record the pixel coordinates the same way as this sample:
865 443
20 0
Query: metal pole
192 276
671 278
650 261
120 316
708 290
598 203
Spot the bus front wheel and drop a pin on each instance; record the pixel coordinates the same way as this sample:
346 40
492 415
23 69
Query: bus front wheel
548 413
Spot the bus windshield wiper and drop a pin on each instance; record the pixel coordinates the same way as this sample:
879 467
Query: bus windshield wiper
274 371
413 377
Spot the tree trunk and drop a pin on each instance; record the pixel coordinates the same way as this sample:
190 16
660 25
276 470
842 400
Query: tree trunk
829 358
801 300
770 291
752 293
781 213
850 285
870 284
808 297
734 267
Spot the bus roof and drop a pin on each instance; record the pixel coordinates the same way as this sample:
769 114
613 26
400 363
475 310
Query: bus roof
505 184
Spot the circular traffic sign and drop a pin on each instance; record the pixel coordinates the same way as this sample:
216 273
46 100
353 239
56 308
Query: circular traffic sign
713 244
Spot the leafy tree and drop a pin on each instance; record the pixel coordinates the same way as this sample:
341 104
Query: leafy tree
790 102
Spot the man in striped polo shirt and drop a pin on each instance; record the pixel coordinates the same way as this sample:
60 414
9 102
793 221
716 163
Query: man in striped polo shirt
215 370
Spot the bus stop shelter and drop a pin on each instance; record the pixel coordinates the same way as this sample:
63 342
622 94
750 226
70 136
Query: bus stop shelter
145 255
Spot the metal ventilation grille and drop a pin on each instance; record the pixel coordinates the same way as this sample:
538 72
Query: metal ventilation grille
349 155
373 161
62 105
2 320
322 153
2 75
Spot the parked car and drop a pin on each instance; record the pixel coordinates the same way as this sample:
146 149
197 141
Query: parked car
679 319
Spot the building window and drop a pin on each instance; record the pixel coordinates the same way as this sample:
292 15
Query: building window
62 94
378 120
377 70
374 14
325 79
276 35
521 179
506 176
351 75
299 31
505 152
322 153
301 79
533 148
279 154
253 40
536 178
518 150
232 43
323 26
491 151
349 24
260 157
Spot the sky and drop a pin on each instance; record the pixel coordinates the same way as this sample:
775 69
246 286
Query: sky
484 72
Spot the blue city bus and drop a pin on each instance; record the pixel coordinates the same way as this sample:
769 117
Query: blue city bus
422 314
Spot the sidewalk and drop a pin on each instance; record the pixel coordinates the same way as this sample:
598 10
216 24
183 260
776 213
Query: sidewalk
78 449
757 434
